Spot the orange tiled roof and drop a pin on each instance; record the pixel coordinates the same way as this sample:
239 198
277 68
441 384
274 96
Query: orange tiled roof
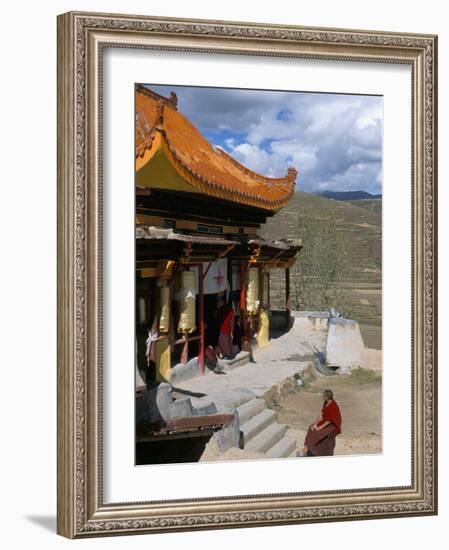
209 170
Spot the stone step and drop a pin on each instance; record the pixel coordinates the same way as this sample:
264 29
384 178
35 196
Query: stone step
227 400
256 424
283 448
250 409
267 438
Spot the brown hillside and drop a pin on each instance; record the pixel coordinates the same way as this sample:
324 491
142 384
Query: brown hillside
355 230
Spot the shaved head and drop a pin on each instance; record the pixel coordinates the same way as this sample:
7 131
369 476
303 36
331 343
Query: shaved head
328 394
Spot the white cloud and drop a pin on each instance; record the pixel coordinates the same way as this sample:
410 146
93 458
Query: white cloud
357 176
334 141
370 116
259 160
302 155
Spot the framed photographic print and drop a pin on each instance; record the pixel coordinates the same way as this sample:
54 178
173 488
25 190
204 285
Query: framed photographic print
246 274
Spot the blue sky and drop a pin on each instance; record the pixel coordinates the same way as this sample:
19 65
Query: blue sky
333 140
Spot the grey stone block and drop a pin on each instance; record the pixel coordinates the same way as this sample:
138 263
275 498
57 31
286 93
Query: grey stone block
229 436
186 371
344 346
202 406
146 408
153 404
180 408
164 399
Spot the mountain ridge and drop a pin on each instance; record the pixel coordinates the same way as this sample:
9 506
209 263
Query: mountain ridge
348 195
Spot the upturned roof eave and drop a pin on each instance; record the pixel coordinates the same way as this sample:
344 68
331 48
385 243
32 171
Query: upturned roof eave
154 135
204 185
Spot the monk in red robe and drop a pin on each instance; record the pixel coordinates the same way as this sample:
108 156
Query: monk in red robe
320 438
225 319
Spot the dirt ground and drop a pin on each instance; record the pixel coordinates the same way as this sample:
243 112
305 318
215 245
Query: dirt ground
372 336
359 396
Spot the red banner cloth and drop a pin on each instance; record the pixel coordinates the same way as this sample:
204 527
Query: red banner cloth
225 317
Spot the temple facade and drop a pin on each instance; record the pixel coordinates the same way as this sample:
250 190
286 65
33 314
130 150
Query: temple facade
197 248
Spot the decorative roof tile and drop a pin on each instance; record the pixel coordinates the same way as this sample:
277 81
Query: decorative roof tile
210 170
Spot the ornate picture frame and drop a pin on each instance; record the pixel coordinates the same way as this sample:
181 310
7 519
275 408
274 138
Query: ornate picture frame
82 38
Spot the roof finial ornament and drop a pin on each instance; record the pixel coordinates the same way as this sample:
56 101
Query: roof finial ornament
292 173
160 114
173 99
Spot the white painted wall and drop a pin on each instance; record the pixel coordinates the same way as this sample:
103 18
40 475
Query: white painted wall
28 280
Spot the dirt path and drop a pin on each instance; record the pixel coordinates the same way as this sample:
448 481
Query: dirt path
360 398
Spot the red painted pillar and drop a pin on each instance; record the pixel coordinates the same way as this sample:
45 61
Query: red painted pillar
201 314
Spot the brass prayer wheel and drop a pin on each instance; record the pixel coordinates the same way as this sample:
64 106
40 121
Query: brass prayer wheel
252 295
186 291
164 319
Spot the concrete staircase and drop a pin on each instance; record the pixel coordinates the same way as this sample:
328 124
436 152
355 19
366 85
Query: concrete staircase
261 431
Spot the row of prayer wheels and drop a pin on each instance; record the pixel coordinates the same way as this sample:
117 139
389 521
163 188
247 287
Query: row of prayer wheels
185 293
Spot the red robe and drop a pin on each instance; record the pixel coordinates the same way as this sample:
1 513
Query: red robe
225 316
322 442
331 413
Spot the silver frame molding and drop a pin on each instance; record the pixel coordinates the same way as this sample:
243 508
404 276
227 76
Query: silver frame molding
81 39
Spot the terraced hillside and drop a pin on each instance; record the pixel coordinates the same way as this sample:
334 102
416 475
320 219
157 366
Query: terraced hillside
341 263
371 204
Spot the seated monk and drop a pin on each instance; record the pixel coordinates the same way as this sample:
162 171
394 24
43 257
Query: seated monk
320 438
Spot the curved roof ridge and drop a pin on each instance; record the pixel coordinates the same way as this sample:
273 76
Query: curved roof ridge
203 180
211 170
288 178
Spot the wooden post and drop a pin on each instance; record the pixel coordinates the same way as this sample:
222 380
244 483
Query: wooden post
287 296
268 289
201 315
185 350
243 296
261 297
261 285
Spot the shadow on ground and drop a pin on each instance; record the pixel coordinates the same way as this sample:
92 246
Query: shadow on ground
46 522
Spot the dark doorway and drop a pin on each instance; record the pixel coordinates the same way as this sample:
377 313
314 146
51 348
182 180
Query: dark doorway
171 451
211 326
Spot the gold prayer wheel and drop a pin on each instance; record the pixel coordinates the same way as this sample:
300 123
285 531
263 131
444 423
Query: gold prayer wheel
164 319
187 293
252 294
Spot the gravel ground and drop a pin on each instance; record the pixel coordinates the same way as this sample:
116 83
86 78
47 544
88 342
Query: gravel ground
360 398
